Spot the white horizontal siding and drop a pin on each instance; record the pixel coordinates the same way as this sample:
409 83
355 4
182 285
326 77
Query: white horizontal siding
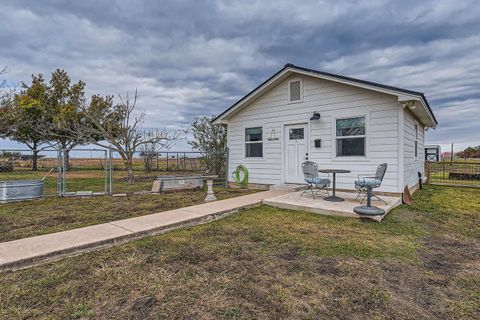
272 111
412 165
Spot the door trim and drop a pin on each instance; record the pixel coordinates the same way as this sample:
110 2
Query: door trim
284 141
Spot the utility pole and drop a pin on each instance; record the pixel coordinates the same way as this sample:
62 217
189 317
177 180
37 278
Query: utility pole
451 155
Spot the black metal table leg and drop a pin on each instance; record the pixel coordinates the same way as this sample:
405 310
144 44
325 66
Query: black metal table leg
333 197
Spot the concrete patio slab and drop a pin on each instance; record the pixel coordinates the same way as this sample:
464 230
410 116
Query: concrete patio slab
295 201
35 250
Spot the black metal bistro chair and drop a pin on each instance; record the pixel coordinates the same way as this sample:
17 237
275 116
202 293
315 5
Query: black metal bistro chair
374 182
310 173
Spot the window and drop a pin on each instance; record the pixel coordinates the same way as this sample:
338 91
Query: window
295 90
253 142
416 140
350 137
296 134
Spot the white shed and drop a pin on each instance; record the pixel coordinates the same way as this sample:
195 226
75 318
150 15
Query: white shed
337 121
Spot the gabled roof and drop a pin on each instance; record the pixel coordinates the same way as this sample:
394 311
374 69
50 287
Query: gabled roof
403 94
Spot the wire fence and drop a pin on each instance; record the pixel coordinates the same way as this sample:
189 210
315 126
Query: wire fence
148 166
24 165
453 173
83 172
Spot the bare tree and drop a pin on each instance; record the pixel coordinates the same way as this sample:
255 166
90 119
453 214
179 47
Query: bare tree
152 147
117 126
3 83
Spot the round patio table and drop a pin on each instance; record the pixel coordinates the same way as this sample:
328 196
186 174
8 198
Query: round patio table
334 172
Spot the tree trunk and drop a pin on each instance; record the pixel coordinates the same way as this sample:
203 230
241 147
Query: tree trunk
66 161
66 155
129 167
34 157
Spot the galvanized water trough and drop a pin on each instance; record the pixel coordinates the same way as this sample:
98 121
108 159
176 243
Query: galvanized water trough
19 190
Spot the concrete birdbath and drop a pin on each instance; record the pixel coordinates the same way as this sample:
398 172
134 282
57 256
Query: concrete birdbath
210 194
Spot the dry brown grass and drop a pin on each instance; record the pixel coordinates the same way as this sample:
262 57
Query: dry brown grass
421 262
27 219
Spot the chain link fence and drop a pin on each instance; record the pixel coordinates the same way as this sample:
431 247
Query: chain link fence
149 166
84 172
25 164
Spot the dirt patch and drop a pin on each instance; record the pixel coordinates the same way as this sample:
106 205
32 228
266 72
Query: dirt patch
289 252
143 306
447 256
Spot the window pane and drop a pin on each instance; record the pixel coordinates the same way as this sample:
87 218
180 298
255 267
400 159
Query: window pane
295 91
253 134
295 134
253 150
350 147
351 127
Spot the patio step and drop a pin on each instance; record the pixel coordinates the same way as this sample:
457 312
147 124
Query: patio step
288 187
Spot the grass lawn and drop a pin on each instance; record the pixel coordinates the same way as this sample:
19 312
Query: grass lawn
421 262
52 214
94 179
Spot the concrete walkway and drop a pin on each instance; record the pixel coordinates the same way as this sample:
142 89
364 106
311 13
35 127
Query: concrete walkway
35 250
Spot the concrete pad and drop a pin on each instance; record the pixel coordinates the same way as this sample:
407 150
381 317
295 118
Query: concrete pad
295 201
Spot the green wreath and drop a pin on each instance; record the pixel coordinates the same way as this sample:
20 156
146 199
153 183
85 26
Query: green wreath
242 181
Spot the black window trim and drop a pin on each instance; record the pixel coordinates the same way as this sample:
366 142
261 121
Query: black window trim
252 142
364 136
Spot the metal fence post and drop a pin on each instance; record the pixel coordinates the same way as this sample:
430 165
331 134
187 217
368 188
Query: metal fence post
428 172
64 171
110 171
106 172
59 173
167 161
227 151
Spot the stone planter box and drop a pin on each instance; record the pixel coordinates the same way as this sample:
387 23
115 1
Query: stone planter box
176 183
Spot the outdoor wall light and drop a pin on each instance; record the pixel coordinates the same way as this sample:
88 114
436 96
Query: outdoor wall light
316 116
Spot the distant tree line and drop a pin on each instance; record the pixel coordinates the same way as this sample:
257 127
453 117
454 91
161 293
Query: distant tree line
469 152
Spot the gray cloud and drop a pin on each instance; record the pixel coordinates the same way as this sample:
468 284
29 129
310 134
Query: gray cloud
191 58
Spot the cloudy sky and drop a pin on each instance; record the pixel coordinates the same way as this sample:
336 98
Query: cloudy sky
192 58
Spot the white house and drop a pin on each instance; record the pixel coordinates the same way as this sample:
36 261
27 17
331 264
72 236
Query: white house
360 124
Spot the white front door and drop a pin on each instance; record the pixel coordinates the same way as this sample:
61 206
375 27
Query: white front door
296 151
